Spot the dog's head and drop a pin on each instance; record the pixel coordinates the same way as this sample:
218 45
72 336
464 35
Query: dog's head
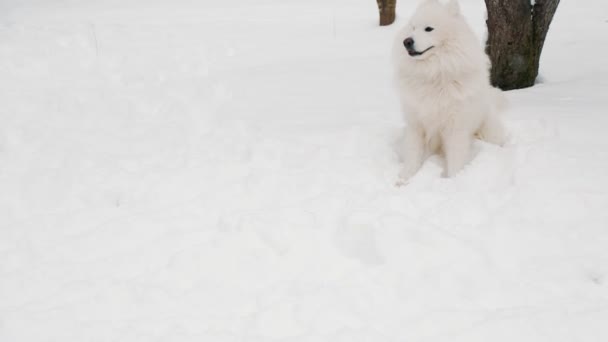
429 28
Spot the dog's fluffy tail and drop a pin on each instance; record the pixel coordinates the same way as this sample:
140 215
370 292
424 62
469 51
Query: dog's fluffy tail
492 130
499 101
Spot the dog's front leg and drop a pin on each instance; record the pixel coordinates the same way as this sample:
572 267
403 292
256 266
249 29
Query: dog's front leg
413 153
457 148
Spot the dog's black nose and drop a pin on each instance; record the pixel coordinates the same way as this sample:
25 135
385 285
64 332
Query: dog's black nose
408 43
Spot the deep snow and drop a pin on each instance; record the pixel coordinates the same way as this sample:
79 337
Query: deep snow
224 171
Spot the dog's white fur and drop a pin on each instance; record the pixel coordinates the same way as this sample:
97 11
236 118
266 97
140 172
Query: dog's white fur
445 93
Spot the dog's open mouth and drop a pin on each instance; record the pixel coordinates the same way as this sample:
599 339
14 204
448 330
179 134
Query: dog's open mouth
415 53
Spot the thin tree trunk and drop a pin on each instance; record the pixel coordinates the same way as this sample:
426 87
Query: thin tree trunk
387 11
516 35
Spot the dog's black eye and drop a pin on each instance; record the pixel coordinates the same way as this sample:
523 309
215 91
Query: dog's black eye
429 29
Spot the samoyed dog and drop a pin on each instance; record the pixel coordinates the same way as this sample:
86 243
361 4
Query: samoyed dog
444 87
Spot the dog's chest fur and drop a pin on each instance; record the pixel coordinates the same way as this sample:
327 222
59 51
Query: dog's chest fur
434 103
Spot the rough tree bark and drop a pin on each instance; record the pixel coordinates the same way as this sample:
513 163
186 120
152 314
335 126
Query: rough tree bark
387 11
516 34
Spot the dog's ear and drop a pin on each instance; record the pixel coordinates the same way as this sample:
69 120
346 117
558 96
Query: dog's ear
453 7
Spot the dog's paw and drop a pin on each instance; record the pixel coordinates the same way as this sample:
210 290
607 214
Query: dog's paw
406 174
401 182
404 178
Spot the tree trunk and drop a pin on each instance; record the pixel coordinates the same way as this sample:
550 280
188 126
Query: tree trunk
387 11
516 35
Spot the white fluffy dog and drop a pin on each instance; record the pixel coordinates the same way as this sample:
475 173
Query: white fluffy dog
443 79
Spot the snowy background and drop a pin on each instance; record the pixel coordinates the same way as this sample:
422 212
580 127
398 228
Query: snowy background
223 171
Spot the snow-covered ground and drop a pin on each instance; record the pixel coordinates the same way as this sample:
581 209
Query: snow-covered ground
224 171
